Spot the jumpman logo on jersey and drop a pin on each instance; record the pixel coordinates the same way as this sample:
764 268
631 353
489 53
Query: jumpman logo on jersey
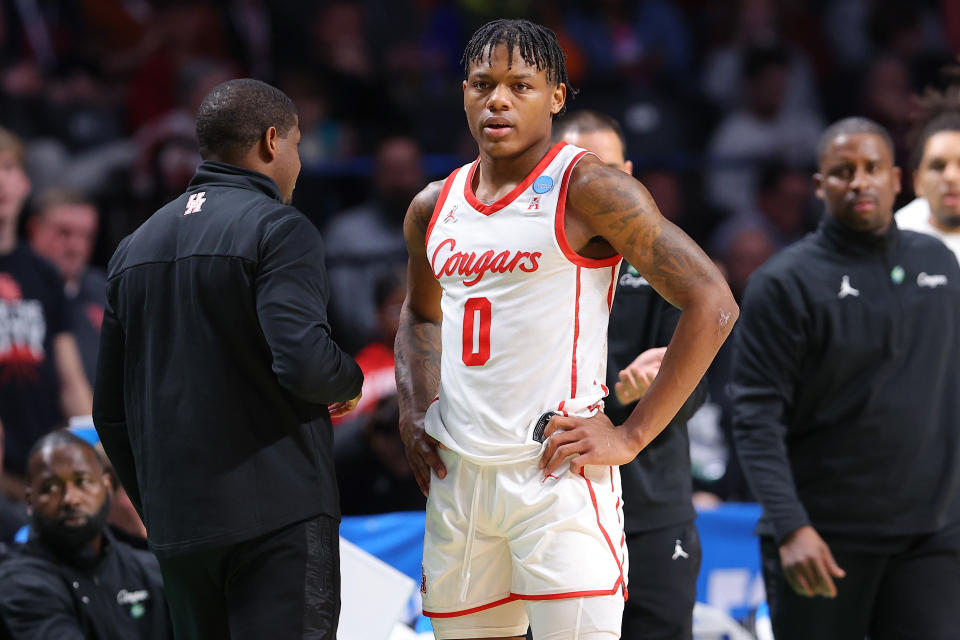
678 551
194 203
846 289
450 217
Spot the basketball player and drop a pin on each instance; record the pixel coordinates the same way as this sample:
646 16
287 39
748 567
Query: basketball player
501 356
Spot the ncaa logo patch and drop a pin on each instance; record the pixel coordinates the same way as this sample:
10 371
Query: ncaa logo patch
543 184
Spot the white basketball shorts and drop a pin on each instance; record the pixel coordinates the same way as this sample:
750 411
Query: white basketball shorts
500 534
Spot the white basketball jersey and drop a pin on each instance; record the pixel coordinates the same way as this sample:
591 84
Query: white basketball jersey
524 317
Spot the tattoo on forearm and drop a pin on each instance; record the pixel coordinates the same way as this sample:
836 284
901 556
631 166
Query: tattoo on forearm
417 365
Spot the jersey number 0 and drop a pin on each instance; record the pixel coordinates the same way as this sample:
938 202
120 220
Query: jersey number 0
477 315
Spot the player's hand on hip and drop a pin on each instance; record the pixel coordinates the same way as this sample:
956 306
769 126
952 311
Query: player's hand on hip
593 440
808 565
340 409
422 453
639 375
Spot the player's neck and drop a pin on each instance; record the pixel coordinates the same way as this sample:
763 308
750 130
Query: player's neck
496 176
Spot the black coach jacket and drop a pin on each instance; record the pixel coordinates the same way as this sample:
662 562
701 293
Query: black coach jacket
216 365
117 596
846 385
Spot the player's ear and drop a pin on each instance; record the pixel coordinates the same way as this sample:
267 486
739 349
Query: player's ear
558 98
818 183
628 167
108 481
897 179
270 144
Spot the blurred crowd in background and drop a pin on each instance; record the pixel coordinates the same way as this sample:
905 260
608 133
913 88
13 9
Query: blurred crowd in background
721 101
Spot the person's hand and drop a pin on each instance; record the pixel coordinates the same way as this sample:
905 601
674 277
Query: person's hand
706 500
808 564
593 440
340 409
422 453
639 375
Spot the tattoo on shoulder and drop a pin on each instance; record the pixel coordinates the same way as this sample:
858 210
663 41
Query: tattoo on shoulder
627 217
620 206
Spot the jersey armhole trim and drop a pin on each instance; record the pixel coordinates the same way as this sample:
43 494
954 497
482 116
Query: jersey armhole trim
439 206
560 230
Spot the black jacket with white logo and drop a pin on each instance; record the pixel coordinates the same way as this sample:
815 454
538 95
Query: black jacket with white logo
657 485
845 385
216 366
116 596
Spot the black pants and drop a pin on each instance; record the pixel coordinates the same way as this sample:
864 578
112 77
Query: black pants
662 583
284 585
910 593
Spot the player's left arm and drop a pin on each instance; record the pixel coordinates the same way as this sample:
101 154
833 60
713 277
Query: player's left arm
606 205
76 398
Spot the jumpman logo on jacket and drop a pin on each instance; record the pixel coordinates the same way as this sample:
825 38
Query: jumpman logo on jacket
678 551
846 289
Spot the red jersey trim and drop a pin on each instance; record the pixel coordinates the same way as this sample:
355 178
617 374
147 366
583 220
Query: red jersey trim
570 594
466 612
444 192
576 337
606 536
489 209
613 283
528 597
560 229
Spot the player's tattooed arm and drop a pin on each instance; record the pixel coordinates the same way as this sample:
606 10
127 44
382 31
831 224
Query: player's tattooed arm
417 346
609 209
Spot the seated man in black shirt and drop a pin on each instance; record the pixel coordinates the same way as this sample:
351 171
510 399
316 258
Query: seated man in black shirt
73 580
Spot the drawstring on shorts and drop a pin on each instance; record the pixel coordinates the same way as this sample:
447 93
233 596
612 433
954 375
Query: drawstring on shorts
471 531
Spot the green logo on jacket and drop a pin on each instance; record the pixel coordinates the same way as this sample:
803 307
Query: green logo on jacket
897 274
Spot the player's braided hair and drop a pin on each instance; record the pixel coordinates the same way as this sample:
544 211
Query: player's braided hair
941 112
538 46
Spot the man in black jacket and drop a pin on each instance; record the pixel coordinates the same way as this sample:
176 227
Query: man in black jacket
662 539
847 416
215 375
73 580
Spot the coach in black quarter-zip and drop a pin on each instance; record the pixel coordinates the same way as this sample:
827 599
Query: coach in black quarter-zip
847 412
216 380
